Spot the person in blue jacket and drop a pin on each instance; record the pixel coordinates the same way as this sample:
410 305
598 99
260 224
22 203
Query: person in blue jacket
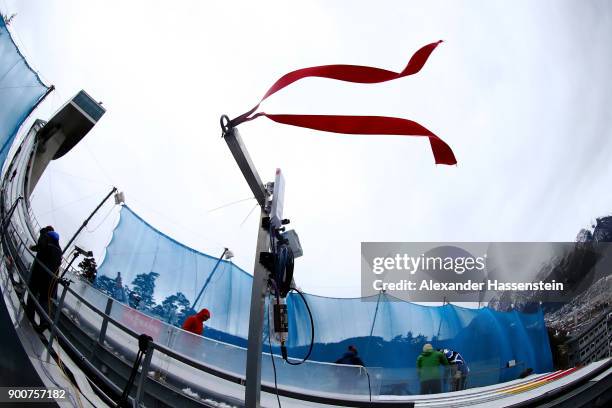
350 357
348 378
459 369
44 269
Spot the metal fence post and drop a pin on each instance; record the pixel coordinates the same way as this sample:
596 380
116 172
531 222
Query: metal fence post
103 327
107 311
143 374
58 312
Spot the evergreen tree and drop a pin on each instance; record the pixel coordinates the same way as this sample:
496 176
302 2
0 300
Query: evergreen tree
144 288
158 310
183 307
174 308
133 298
88 269
105 284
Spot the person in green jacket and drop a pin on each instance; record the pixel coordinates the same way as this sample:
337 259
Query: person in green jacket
429 365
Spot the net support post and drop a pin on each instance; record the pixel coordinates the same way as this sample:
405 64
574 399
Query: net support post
243 159
260 275
58 312
143 375
113 191
107 312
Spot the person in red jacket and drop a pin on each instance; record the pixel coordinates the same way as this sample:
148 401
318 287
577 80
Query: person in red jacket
195 323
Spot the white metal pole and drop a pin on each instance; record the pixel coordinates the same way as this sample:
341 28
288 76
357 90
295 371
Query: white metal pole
260 274
256 319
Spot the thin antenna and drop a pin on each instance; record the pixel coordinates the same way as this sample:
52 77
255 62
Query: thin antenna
232 203
249 214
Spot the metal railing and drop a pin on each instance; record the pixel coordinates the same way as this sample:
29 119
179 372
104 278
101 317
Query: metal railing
21 250
18 249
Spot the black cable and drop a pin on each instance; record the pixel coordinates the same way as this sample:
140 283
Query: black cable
123 400
312 333
369 385
273 364
143 345
284 264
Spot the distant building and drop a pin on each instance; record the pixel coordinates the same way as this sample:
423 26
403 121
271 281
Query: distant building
593 343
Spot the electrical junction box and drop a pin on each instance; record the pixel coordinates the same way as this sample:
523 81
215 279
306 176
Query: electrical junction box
278 198
294 242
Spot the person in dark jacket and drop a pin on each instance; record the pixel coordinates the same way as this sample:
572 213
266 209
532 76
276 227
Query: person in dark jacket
46 263
429 365
195 323
348 378
43 238
350 357
459 369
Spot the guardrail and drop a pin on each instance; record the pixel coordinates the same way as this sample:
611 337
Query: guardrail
19 250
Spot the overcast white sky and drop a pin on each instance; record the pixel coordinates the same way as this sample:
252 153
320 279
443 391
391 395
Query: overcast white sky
522 92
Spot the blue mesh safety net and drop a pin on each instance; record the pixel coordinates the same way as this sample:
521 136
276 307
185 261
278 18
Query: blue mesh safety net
152 272
20 90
